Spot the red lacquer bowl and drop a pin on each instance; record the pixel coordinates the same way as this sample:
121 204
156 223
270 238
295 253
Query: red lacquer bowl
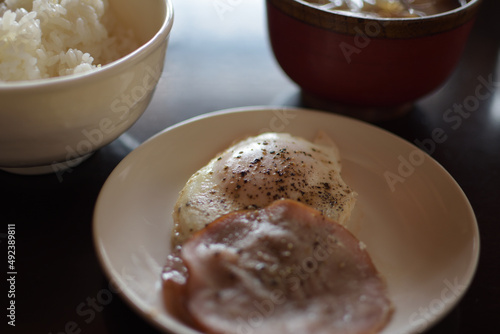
378 63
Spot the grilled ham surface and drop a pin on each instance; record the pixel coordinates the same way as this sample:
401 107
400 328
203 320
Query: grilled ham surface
285 268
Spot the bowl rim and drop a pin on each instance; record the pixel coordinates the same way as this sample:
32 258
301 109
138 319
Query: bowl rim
350 24
106 70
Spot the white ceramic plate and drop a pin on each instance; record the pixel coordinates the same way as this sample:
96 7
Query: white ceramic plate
415 220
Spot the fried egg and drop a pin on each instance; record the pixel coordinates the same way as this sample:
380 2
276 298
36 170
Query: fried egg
259 170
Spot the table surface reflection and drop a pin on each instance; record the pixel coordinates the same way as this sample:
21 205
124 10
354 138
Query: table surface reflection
218 58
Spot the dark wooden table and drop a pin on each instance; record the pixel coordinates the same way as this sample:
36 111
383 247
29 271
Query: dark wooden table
219 57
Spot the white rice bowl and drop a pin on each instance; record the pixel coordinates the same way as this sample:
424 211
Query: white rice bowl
49 38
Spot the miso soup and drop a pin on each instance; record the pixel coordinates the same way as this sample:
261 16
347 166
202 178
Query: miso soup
390 8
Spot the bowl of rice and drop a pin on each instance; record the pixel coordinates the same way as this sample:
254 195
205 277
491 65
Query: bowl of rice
75 75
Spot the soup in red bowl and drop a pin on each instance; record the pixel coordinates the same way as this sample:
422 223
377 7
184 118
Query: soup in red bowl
364 60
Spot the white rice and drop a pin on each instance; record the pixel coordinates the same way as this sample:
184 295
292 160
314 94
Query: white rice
50 38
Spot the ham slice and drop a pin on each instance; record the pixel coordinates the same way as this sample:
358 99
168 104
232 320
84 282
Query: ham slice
285 268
